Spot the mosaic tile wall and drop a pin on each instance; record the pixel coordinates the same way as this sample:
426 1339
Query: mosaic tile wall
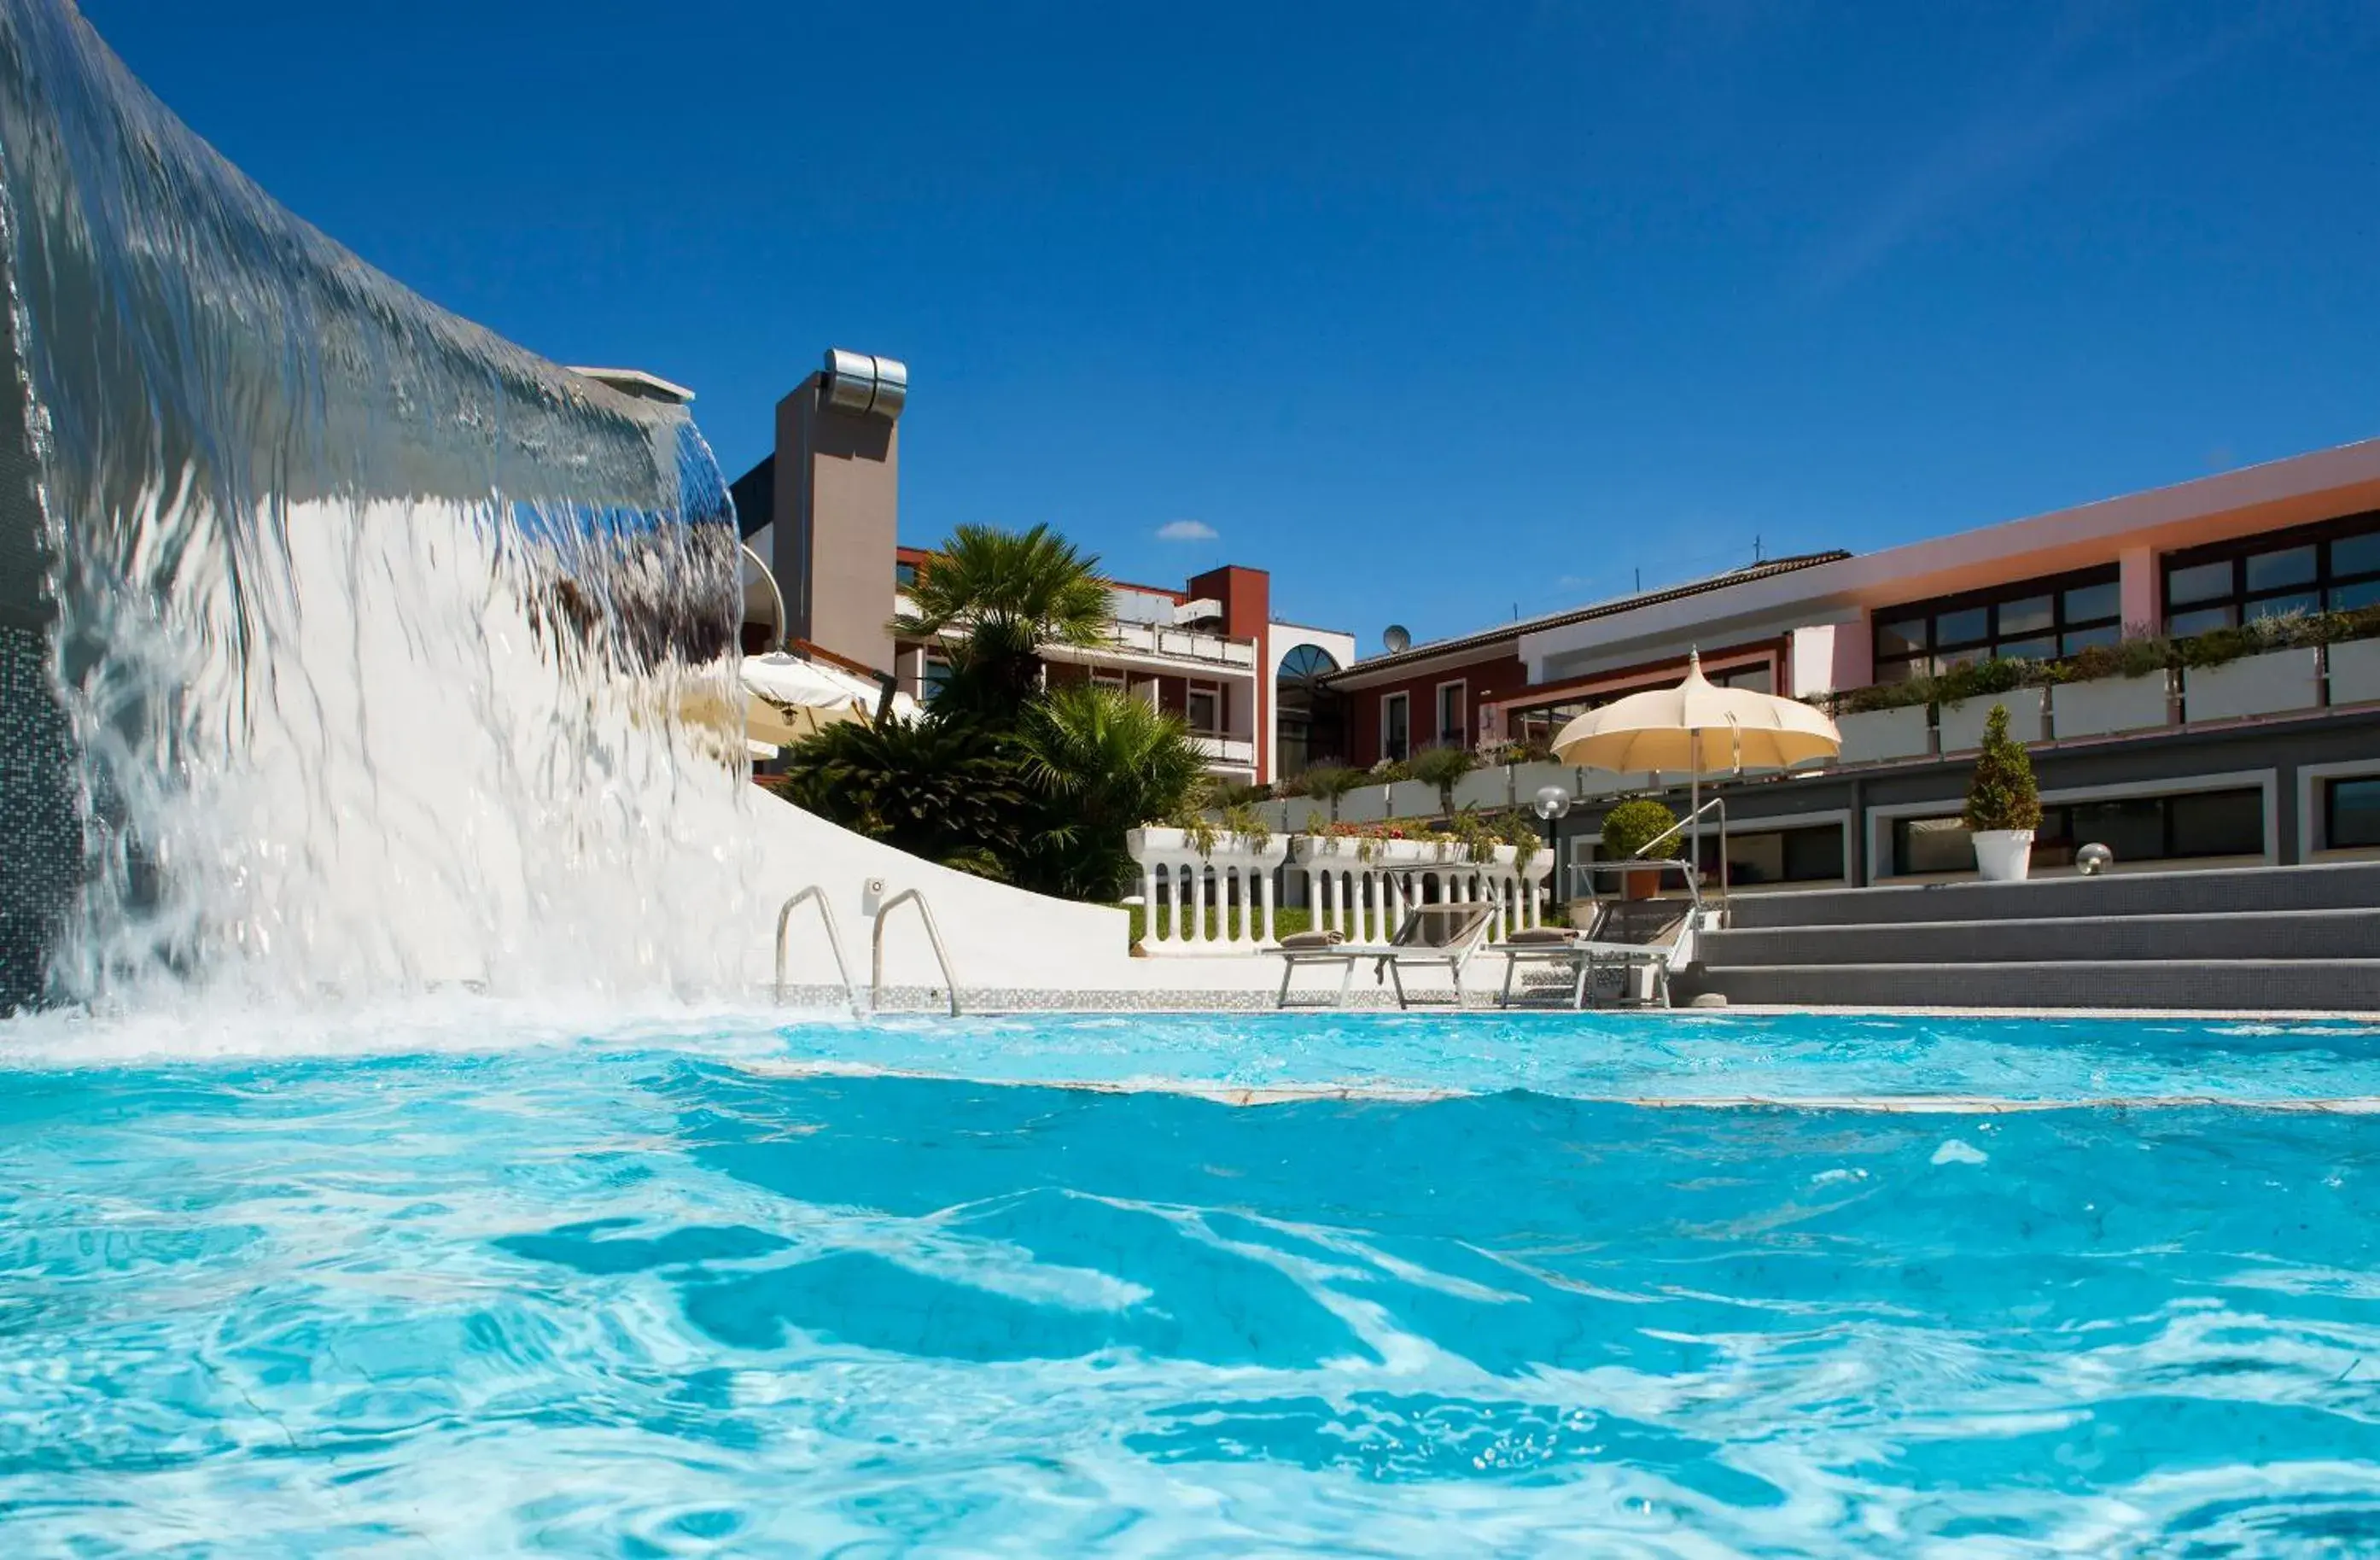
41 839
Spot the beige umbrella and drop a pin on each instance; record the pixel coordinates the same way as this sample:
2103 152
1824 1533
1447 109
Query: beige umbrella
1698 729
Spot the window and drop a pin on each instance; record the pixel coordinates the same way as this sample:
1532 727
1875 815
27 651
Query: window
1811 854
1760 677
904 575
1396 728
2027 619
2196 824
937 673
2350 818
1931 845
2329 567
1540 723
1203 710
1450 715
1108 678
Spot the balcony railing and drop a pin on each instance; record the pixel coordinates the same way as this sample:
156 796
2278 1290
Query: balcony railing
1184 645
1226 750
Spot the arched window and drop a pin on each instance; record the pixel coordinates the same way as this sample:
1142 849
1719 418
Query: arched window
1306 721
1306 662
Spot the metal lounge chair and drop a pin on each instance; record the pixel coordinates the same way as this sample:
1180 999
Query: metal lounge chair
1431 935
1627 936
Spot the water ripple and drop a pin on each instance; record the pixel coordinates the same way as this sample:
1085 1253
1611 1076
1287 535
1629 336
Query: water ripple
619 1299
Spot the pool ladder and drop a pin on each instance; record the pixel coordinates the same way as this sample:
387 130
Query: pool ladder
876 972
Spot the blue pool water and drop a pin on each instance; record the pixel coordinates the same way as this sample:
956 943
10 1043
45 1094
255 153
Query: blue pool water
476 1282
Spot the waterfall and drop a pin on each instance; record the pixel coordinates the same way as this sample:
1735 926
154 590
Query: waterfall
346 646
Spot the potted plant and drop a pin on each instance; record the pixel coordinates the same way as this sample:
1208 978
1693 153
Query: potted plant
1628 829
2003 804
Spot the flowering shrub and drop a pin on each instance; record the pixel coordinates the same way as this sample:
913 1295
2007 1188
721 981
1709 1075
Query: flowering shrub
1478 834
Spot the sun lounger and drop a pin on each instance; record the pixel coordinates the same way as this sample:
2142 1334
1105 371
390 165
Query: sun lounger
1581 952
1431 936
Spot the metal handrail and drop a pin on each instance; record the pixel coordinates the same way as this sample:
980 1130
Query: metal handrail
1718 802
784 623
933 935
1641 864
833 945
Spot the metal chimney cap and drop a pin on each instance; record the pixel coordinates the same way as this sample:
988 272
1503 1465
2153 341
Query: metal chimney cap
865 386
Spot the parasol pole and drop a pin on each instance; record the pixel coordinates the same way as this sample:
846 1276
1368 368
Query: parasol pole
1695 798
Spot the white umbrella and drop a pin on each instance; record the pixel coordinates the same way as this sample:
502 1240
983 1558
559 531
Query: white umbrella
1700 729
787 698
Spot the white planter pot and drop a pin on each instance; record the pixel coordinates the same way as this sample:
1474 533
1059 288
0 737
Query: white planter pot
2274 683
2003 854
1357 851
1411 799
1875 734
2355 671
1154 840
1310 847
1488 789
2109 705
1961 724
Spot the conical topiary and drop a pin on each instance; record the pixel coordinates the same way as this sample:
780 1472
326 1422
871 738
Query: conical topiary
2002 795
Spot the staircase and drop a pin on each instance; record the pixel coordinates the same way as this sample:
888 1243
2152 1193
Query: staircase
2247 938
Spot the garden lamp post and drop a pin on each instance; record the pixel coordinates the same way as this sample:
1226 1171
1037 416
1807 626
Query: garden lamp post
1551 802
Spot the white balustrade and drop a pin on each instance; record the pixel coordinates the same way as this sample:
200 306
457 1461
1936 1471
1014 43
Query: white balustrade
1178 882
1361 889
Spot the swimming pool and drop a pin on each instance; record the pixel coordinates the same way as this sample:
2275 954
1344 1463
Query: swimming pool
475 1281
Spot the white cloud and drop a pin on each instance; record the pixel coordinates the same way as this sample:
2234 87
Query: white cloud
1186 531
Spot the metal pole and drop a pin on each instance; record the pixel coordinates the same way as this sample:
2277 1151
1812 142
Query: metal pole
776 596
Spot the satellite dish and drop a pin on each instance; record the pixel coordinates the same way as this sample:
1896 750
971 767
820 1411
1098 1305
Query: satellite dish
1396 639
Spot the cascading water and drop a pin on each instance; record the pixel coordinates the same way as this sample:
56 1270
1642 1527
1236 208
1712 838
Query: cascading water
346 646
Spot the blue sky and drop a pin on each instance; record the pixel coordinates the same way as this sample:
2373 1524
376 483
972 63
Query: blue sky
1436 312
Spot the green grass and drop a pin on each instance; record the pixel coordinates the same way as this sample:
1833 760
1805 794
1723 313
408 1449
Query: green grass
1284 921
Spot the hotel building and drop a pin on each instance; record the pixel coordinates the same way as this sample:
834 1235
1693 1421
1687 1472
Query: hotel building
2270 757
823 512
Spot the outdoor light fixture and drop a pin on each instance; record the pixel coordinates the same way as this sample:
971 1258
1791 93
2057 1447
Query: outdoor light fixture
2094 859
1551 802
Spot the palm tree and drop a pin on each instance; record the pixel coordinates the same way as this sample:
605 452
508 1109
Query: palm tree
949 792
1008 594
1109 763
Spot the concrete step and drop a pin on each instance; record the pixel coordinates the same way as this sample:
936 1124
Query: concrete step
2274 935
2340 886
2348 984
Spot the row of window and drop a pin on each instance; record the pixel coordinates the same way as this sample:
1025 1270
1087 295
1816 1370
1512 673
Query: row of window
1202 705
2136 828
2326 568
1539 723
2176 828
1810 853
2330 567
1396 720
2351 817
2032 619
